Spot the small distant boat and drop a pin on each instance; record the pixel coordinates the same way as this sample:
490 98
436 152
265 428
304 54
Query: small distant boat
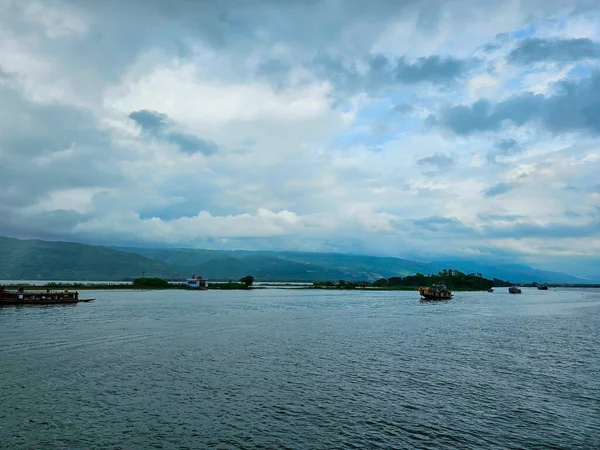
40 297
491 290
542 287
514 290
435 292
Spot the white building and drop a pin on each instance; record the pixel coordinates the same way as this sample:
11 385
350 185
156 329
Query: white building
197 282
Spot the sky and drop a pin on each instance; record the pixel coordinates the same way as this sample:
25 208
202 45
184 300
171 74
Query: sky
417 129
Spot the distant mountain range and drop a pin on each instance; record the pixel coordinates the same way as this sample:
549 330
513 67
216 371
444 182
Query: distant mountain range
45 260
281 266
305 266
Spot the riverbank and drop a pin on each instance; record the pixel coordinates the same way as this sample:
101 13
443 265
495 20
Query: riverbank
389 288
123 286
214 286
83 286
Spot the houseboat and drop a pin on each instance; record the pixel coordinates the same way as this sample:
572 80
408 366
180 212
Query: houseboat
21 296
514 290
196 282
435 292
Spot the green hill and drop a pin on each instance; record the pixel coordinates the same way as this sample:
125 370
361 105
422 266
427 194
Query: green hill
305 266
44 260
284 266
264 266
185 258
356 266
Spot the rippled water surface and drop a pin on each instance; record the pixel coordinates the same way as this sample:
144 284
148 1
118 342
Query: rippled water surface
303 369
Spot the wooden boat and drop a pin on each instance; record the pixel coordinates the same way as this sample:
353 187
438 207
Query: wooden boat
542 288
491 290
436 292
39 297
514 290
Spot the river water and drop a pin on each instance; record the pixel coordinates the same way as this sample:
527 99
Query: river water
303 369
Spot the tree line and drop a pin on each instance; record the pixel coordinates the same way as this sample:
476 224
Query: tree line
453 279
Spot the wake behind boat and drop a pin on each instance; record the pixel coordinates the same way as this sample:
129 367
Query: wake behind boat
39 297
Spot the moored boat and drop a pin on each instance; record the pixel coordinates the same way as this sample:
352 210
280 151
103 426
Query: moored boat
39 297
435 292
514 290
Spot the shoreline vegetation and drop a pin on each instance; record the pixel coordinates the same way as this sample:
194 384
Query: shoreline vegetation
453 279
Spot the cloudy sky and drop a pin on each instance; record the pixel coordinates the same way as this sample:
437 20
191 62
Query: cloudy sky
388 127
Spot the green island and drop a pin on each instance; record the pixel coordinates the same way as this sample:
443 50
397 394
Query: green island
455 280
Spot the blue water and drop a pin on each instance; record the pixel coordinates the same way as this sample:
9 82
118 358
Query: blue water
303 369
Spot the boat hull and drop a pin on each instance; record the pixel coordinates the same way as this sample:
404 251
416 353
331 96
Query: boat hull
39 297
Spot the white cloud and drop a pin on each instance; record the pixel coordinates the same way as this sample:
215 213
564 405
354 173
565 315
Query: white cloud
182 94
295 159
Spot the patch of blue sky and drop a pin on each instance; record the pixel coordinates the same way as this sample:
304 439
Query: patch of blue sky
353 138
561 23
580 70
524 33
375 133
398 96
516 84
379 122
373 110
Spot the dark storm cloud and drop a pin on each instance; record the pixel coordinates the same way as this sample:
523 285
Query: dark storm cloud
403 108
150 121
534 50
443 225
498 189
49 147
134 25
52 225
381 73
275 71
34 129
573 106
159 126
433 69
505 147
507 144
